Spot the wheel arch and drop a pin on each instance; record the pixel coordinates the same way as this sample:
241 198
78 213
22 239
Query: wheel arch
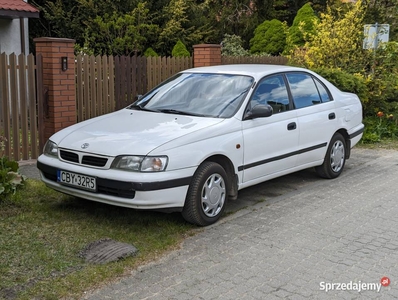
229 168
344 133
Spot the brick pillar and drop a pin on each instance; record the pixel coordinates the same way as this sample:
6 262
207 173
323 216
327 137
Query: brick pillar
206 55
60 84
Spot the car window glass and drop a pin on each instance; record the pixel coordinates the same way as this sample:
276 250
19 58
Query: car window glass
272 91
198 94
303 89
322 91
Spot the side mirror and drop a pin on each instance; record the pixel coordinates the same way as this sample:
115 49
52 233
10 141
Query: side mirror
259 111
138 97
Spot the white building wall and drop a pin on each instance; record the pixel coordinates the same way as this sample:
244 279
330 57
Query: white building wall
10 36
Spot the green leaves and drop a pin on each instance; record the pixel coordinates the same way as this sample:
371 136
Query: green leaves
179 50
269 37
10 179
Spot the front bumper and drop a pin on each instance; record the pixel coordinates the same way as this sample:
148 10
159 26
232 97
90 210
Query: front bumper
165 190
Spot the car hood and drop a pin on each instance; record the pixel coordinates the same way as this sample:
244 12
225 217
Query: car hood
129 132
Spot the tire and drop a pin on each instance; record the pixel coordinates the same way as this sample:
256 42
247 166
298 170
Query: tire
335 158
207 195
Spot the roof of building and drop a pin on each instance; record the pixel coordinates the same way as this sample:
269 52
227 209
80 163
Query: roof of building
17 9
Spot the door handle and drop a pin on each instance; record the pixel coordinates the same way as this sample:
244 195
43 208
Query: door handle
291 126
332 116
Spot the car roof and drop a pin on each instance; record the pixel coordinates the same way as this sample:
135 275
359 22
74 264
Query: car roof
255 70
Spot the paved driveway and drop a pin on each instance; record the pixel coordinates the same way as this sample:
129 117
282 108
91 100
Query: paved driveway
308 235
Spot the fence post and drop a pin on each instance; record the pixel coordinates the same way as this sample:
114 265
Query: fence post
59 83
206 55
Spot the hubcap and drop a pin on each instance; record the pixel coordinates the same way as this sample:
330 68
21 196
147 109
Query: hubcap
213 195
337 156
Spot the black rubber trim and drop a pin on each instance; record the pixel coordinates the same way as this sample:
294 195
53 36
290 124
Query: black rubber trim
356 133
125 185
268 160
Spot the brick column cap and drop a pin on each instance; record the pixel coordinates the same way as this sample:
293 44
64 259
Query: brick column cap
55 40
207 46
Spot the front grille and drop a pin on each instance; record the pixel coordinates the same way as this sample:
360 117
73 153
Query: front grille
88 160
94 161
69 156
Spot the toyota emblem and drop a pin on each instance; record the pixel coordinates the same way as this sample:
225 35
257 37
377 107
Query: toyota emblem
85 145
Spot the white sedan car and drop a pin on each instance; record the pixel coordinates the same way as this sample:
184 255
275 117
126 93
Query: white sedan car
192 142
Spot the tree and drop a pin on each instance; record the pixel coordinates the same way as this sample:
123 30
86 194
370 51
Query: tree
336 41
179 50
173 29
303 22
121 34
269 37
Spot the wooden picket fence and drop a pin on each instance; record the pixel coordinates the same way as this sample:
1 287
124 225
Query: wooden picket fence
21 117
106 83
269 60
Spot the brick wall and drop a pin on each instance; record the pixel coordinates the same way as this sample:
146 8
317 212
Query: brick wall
61 86
206 55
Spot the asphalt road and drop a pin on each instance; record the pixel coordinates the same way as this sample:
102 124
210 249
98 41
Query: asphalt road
307 238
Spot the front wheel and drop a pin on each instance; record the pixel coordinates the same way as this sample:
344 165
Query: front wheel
207 195
334 161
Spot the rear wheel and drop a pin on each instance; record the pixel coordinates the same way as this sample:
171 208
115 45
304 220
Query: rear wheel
207 195
334 161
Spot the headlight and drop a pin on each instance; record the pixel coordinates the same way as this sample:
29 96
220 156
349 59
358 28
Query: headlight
140 163
51 149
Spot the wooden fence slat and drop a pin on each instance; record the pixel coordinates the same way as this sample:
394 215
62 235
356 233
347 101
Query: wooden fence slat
105 74
99 80
129 78
23 108
34 145
93 90
111 84
14 93
134 79
6 126
149 72
118 81
79 89
40 101
86 86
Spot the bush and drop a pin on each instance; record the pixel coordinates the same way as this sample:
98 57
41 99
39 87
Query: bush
269 37
179 50
10 180
383 79
346 82
232 46
380 126
150 52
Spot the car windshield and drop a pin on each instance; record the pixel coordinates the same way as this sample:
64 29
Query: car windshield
208 95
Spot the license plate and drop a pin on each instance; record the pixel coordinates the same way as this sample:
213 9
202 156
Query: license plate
77 180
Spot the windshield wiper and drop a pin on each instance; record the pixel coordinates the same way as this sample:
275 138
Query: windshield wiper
179 112
139 107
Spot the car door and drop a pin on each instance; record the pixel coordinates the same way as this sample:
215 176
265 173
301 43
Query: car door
316 114
270 142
